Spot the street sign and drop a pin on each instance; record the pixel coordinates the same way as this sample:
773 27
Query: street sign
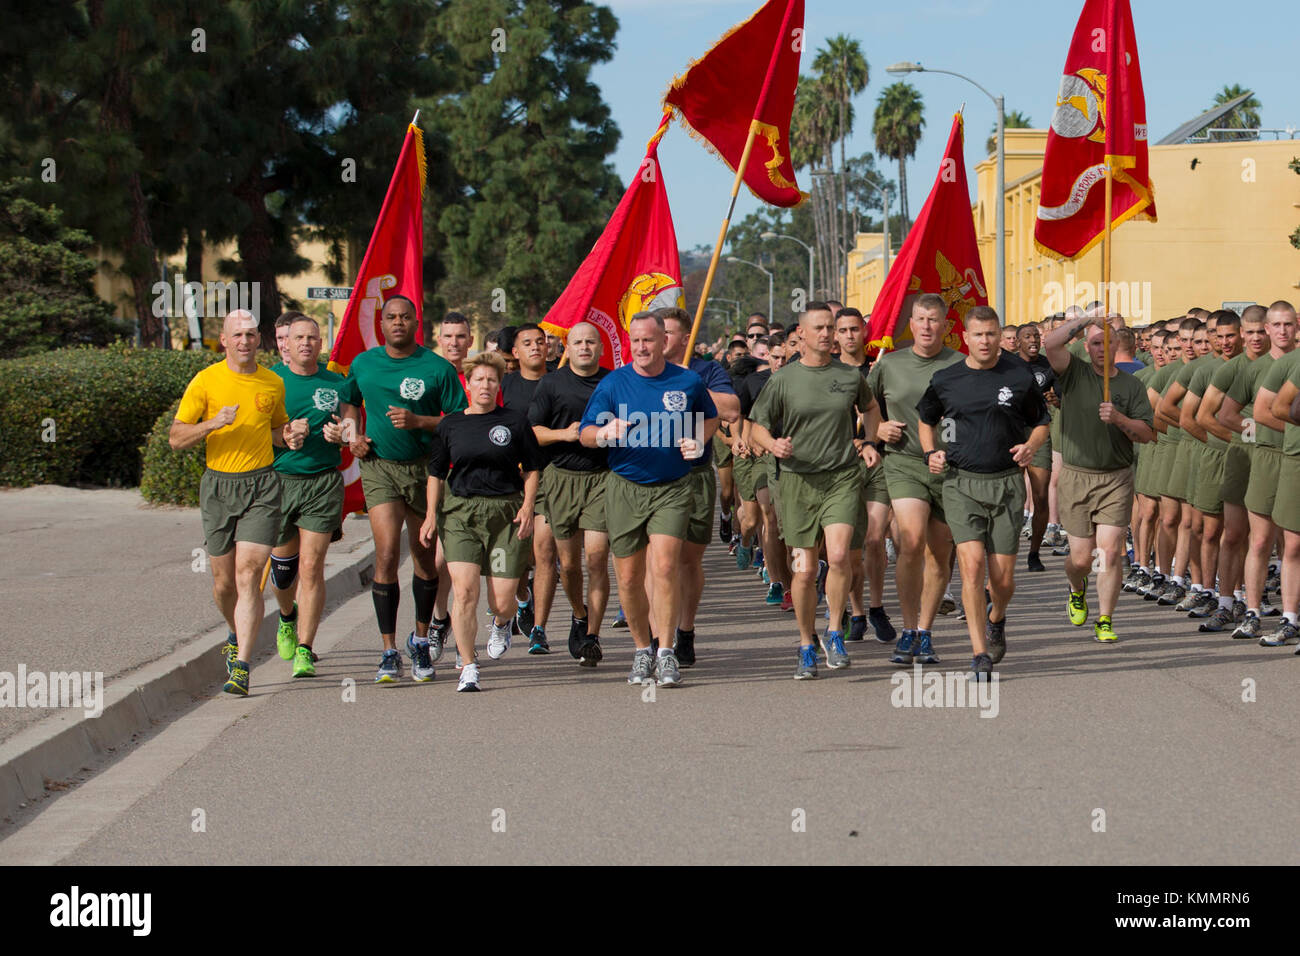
329 292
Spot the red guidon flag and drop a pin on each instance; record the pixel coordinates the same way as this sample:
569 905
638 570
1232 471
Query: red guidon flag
939 255
1100 119
633 266
393 263
749 77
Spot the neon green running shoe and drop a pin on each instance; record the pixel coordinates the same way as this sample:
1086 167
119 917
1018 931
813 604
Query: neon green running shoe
1078 607
302 665
230 652
238 682
286 636
1103 632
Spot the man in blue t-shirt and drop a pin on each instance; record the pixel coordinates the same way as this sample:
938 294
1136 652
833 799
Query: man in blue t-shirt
656 420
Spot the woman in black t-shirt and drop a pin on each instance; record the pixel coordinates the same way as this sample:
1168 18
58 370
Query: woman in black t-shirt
483 472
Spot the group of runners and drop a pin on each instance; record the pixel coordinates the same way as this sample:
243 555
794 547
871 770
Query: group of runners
826 465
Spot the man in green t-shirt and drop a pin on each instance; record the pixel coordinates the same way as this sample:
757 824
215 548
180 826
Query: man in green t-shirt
1161 455
1235 470
898 380
406 390
1148 500
816 401
1096 487
311 490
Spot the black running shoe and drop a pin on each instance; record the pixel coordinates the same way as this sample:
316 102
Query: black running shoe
995 635
684 647
857 628
524 620
981 667
590 654
577 635
1035 562
724 532
882 625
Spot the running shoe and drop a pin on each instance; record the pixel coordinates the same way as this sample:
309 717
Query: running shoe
961 612
1103 632
498 640
1156 589
744 557
981 668
577 636
438 637
903 650
807 669
1061 550
1027 528
1077 606
230 652
735 543
822 570
1218 621
421 663
1266 609
621 620
390 668
524 620
667 673
468 680
1288 633
1174 594
1238 610
882 625
1129 578
924 652
891 552
948 604
537 643
303 666
857 628
643 667
724 529
684 647
833 648
775 594
787 601
995 636
590 654
237 682
1139 581
1249 629
1035 563
1274 580
1193 598
758 558
286 635
1206 605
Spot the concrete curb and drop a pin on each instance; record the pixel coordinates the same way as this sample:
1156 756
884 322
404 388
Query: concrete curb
60 746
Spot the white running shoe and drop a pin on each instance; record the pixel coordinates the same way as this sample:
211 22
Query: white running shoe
498 640
468 679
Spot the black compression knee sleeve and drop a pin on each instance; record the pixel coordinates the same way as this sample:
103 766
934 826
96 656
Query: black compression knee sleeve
425 592
386 598
283 571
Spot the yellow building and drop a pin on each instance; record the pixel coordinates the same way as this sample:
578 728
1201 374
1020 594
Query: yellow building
1226 212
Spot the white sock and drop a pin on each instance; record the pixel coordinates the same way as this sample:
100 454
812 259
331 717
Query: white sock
665 651
1225 603
1253 610
1177 579
1197 587
1291 617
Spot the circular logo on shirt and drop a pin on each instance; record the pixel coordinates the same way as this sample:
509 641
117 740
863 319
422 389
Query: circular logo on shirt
1004 396
675 401
325 399
1041 378
499 436
264 401
411 389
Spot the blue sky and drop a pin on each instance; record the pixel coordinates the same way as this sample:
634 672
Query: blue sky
1189 50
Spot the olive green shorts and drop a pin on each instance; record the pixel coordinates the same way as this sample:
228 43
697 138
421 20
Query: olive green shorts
722 454
908 477
746 471
1207 498
874 490
1182 482
1142 456
1236 473
1043 457
1286 509
384 481
482 531
989 508
1265 469
1087 498
310 502
1162 458
239 506
704 493
812 502
634 512
575 500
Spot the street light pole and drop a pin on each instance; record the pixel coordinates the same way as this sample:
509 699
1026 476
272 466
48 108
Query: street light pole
776 235
1000 266
746 262
735 302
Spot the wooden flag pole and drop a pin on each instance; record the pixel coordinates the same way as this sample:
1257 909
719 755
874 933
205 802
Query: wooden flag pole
1105 295
717 247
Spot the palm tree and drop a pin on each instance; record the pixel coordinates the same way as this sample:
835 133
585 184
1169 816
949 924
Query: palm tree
1013 120
899 119
845 71
1243 116
814 127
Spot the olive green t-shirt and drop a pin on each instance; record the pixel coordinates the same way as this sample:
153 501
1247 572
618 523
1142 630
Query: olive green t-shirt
1242 391
1272 380
1173 432
898 380
1205 371
1156 382
317 399
1087 441
815 408
1291 437
1225 376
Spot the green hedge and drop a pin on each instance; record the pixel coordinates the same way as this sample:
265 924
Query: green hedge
170 477
81 415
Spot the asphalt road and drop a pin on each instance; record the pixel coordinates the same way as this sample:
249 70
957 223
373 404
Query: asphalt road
1139 753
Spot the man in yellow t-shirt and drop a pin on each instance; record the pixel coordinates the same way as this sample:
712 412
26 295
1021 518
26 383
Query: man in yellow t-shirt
237 408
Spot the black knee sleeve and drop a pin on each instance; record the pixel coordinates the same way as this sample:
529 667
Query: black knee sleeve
386 598
425 592
284 571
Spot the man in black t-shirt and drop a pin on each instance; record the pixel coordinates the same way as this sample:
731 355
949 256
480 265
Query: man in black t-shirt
992 417
533 607
573 486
